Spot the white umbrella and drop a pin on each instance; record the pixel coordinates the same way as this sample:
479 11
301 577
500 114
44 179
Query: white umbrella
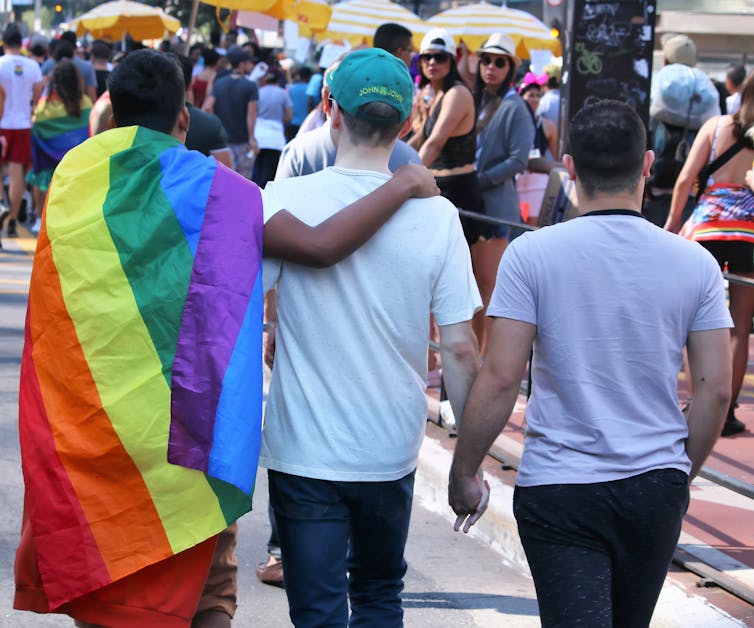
474 23
356 20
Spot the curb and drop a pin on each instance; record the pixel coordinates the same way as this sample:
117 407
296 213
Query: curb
676 608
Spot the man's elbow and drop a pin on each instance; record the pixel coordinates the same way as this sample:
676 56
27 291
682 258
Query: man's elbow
462 351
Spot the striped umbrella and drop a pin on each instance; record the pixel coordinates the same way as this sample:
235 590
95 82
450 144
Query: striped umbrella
356 20
474 23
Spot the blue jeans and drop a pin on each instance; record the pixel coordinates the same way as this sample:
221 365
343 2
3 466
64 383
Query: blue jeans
342 540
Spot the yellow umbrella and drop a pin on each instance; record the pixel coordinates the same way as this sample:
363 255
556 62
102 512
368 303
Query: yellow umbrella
312 16
356 20
474 23
113 20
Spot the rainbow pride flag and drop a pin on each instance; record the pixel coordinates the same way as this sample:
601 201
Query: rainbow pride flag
53 134
144 327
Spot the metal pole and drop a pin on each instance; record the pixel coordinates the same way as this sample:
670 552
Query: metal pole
37 16
192 21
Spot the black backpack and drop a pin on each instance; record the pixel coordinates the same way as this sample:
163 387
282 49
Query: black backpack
671 145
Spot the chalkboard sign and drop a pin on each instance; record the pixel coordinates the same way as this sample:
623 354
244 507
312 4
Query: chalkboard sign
609 54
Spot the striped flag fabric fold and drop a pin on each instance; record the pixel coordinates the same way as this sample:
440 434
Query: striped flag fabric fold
144 325
53 134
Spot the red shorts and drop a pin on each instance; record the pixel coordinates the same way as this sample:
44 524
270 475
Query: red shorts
165 594
19 145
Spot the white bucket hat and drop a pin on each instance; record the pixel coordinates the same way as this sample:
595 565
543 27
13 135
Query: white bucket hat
499 44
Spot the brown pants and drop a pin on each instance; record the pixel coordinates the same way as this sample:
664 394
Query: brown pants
222 583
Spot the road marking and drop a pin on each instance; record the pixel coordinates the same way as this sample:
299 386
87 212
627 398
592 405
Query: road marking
19 282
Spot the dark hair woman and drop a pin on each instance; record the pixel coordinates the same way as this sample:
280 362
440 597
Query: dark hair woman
443 127
723 218
60 122
504 138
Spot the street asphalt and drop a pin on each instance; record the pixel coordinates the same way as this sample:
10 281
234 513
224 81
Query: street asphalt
453 581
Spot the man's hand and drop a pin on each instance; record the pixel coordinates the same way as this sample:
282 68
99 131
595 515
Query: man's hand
468 497
269 346
418 179
253 146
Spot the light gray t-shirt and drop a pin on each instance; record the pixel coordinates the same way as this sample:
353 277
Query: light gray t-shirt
614 299
273 101
312 151
347 400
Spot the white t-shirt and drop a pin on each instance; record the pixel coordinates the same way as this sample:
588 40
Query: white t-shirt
347 400
614 299
18 74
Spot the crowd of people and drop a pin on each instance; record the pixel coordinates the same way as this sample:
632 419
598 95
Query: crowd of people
362 167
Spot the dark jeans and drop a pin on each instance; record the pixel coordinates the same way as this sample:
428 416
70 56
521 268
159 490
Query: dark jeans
599 552
342 540
265 166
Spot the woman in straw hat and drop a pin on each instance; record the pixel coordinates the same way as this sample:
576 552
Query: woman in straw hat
505 133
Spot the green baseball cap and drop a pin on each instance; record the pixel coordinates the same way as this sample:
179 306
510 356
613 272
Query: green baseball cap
372 75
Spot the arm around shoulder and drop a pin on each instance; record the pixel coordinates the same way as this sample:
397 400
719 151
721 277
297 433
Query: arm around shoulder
288 238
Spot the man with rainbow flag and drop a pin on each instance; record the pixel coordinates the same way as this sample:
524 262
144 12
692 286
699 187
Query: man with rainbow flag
141 384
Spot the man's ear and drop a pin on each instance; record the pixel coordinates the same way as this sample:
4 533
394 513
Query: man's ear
568 163
181 125
649 159
406 128
336 119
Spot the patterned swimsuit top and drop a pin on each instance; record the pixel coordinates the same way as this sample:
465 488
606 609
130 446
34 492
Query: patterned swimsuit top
459 150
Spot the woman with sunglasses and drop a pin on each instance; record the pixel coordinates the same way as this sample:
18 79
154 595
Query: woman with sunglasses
443 127
505 134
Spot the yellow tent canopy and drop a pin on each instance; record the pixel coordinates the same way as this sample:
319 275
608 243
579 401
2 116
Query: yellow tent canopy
312 16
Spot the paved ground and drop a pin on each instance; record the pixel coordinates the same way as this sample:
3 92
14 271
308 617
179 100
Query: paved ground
454 581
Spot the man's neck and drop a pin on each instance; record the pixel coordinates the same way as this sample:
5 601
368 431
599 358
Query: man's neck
12 51
374 158
608 201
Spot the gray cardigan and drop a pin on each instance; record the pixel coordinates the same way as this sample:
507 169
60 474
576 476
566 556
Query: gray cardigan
508 139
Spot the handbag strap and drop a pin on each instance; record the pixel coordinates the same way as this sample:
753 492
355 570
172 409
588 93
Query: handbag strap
714 166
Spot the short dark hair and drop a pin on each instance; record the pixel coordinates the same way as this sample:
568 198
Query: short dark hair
210 56
70 36
38 50
147 89
12 36
367 133
63 50
101 50
607 141
391 36
736 74
186 65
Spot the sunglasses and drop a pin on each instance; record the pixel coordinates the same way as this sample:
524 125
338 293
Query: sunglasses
438 57
500 62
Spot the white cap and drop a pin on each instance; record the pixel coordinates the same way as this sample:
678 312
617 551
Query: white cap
438 39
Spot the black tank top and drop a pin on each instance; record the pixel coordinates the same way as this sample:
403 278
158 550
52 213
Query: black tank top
459 150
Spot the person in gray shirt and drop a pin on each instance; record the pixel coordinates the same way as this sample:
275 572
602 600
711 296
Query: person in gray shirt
84 67
314 151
